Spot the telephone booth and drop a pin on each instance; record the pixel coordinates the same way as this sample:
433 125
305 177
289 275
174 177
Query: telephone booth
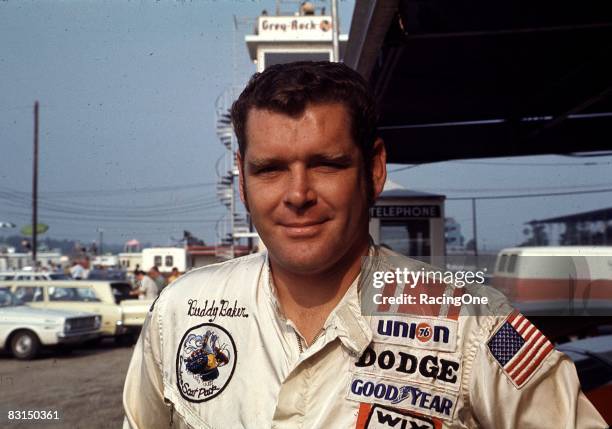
410 223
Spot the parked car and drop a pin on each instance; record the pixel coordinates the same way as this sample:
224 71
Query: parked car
31 275
24 330
593 360
107 274
122 314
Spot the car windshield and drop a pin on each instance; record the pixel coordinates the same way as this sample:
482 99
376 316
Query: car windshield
106 274
7 299
59 293
121 291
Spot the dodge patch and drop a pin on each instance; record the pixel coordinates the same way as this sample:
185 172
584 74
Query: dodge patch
408 364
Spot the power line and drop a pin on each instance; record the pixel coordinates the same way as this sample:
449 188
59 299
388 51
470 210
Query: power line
19 196
512 164
531 188
106 191
117 211
408 167
548 194
535 164
129 216
113 220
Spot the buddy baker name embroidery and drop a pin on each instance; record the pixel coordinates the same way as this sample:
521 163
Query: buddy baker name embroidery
213 311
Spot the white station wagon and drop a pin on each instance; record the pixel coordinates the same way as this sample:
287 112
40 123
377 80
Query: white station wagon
24 330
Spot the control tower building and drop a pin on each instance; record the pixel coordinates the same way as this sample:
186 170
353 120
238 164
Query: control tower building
306 35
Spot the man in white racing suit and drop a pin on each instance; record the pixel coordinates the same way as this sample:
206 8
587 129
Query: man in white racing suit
282 338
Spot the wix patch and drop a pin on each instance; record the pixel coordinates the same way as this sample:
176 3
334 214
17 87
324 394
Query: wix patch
384 418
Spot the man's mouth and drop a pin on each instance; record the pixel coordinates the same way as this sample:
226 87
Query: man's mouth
303 229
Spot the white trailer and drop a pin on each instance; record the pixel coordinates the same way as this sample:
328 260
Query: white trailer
164 258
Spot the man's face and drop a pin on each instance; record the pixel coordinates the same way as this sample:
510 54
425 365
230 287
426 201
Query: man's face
304 183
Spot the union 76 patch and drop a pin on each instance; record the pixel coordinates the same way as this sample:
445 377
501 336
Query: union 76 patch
205 362
416 331
519 348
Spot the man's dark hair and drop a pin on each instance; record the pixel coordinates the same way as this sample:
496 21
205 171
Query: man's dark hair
289 88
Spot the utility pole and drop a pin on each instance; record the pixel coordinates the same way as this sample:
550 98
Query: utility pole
101 242
35 188
335 31
474 227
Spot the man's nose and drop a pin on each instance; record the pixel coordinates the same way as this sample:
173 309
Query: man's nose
299 193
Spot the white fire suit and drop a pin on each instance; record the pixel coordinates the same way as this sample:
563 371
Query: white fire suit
216 352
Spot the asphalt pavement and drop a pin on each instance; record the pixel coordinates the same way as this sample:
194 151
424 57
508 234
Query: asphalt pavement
79 389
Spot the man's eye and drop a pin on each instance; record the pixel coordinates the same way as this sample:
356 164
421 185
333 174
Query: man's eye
331 165
266 170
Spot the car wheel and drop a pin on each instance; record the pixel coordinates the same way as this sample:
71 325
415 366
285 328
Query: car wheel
126 340
25 345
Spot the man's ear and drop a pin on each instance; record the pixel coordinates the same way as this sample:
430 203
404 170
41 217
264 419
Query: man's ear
379 167
241 178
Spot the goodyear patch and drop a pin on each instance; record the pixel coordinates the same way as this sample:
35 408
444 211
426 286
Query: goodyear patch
407 396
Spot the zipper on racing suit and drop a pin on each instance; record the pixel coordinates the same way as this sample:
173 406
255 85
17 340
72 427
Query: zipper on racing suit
299 340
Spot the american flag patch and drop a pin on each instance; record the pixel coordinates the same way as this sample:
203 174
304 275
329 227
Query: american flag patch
519 347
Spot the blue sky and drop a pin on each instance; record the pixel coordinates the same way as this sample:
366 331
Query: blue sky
127 92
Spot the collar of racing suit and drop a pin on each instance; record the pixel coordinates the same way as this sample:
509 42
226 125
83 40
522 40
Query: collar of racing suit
346 319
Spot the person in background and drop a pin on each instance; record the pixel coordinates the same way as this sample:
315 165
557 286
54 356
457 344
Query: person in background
77 271
157 277
147 288
175 274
